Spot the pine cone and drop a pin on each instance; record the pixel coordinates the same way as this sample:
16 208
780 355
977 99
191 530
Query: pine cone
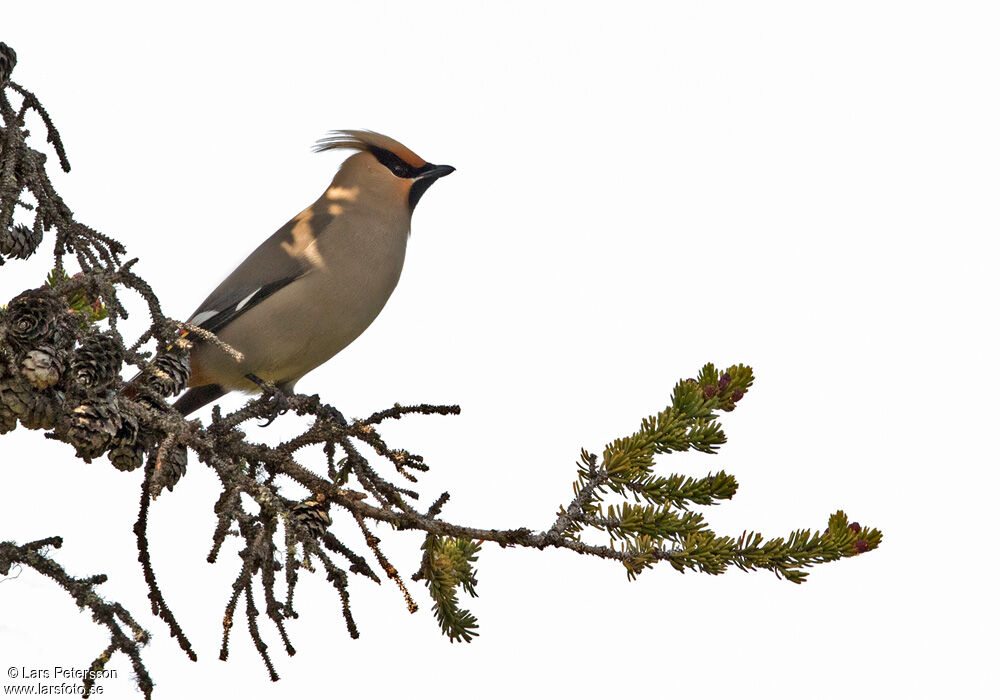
7 60
98 360
312 515
147 402
170 467
8 420
128 433
34 410
127 457
42 366
174 369
19 241
42 414
130 444
92 426
38 317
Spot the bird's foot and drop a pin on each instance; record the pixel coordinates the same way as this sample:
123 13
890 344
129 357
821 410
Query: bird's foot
277 400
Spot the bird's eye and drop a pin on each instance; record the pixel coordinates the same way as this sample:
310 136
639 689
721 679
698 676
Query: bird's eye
393 163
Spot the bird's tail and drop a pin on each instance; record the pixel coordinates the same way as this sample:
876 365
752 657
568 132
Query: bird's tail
193 399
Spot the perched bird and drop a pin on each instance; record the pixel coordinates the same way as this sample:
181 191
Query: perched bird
315 285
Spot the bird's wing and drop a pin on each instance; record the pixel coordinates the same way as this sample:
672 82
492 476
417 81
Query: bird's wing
273 265
216 314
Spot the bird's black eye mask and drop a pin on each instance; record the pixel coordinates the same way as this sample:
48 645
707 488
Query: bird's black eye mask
396 165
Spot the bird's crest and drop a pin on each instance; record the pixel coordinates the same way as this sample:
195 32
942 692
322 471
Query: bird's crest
363 140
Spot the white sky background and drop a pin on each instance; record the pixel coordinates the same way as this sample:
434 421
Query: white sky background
806 188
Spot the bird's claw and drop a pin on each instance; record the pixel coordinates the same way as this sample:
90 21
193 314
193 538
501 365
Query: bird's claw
277 401
278 405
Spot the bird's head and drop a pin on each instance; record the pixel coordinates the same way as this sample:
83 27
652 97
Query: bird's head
385 162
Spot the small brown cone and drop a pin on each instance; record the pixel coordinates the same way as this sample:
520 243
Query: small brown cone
126 458
171 465
129 446
38 317
169 373
43 366
19 241
98 360
91 427
312 515
34 410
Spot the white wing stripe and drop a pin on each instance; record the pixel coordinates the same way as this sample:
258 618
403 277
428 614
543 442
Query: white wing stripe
247 299
203 316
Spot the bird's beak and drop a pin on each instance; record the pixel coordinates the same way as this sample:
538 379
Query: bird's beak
436 171
425 179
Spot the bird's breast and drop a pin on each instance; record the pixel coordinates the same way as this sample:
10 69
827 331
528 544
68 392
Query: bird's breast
354 266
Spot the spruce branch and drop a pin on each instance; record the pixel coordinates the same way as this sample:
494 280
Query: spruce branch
126 634
63 364
446 565
157 604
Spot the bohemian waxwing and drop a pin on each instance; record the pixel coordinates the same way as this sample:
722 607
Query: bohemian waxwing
315 285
